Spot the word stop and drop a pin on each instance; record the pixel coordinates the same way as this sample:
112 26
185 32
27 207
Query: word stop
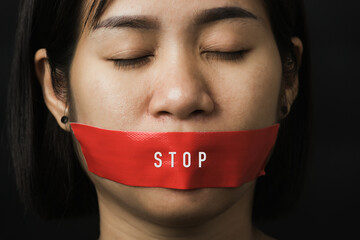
186 159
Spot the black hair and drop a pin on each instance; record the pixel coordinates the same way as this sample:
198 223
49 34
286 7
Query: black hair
48 173
279 190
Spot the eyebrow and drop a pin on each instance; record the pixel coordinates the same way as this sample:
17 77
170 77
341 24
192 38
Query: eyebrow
136 22
150 23
217 14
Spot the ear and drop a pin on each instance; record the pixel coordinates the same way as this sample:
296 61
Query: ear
291 92
56 106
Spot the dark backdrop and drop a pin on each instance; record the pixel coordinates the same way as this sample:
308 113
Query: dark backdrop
329 207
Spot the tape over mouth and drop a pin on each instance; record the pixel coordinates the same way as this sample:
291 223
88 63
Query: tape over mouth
177 160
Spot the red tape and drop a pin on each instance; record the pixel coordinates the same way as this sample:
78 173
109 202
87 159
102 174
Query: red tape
179 160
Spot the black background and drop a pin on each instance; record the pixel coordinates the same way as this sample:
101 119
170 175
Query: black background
329 207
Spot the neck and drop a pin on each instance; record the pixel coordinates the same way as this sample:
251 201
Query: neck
117 222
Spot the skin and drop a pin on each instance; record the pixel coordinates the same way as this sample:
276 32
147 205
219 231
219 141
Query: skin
183 86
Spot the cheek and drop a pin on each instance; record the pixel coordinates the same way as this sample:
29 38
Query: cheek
249 91
102 96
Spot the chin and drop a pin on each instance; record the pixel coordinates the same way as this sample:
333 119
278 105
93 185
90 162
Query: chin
184 208
171 207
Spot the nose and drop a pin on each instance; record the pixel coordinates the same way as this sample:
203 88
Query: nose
181 91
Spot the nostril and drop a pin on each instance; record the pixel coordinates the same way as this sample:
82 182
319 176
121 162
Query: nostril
197 112
162 113
193 114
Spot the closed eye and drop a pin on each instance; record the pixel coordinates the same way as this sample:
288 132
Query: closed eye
228 56
132 62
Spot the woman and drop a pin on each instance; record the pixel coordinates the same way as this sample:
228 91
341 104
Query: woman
178 66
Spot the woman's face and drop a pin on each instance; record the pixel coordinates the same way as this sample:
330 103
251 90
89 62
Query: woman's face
176 66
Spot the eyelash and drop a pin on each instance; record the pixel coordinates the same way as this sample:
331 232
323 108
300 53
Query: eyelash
140 61
132 62
228 56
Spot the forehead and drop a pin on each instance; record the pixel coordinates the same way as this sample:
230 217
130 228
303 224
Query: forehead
182 13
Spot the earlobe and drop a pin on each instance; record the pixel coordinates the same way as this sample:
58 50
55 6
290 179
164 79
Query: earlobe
56 106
